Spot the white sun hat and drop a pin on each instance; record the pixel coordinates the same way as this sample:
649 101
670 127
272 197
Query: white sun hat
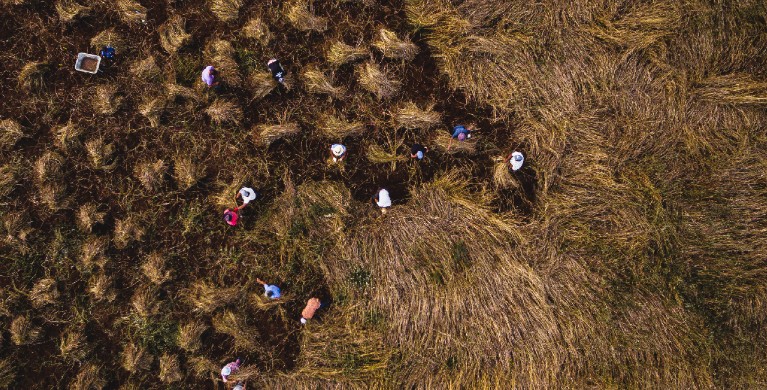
338 150
247 194
516 161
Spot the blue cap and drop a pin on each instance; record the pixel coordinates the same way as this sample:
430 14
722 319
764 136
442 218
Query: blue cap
419 155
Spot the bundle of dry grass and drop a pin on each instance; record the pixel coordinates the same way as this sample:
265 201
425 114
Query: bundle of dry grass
393 47
144 302
339 53
221 54
378 155
187 172
131 11
154 268
53 195
10 133
88 215
8 179
203 368
374 80
246 337
43 293
301 17
109 37
256 29
151 174
443 140
173 35
225 10
105 100
411 117
134 358
146 69
170 369
73 345
334 127
126 231
32 76
67 137
261 84
100 287
732 88
7 368
206 298
174 91
92 251
22 331
502 176
49 167
189 335
68 10
224 112
152 109
265 135
316 81
101 154
88 378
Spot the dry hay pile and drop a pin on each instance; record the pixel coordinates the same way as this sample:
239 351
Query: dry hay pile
173 34
393 47
226 10
339 53
301 17
220 54
376 81
335 127
411 117
265 135
317 81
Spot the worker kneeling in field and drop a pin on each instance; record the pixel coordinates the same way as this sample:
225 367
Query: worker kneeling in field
231 216
107 53
311 307
210 76
277 71
247 194
516 160
271 291
338 152
418 151
382 199
461 133
229 369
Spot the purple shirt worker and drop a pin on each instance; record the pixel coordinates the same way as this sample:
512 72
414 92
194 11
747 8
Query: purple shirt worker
209 76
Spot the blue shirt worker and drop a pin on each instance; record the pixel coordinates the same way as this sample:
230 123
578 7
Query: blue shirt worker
107 53
271 291
418 151
461 133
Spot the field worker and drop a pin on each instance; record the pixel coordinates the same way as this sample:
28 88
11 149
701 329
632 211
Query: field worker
231 216
461 133
108 54
271 291
516 160
247 194
311 307
230 369
382 199
338 152
210 76
277 72
418 151
239 386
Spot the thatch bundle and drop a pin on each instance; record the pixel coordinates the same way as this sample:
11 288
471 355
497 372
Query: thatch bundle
10 133
131 11
375 80
339 53
22 331
135 358
220 54
261 84
110 37
265 135
87 216
146 69
152 109
335 127
68 10
101 154
43 292
224 112
32 76
127 231
226 10
410 116
105 99
256 29
393 47
187 172
154 268
170 369
173 34
189 335
302 18
317 81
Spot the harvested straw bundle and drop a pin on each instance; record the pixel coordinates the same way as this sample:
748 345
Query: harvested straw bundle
67 137
316 81
202 367
87 216
334 127
109 37
393 47
170 370
43 292
49 167
8 179
409 116
100 287
135 358
173 35
32 76
189 335
154 268
127 231
131 11
100 154
502 177
226 10
152 109
146 69
10 133
339 53
302 18
92 251
206 298
378 155
89 377
265 135
374 80
73 345
256 29
224 111
187 172
245 336
732 88
105 101
261 84
68 10
22 331
220 54
174 91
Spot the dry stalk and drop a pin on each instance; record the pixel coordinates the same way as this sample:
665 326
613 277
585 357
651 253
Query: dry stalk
73 345
109 37
206 298
126 231
88 378
221 54
32 76
100 287
101 154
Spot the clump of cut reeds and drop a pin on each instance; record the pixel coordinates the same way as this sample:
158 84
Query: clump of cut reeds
393 47
173 35
8 180
73 345
256 29
502 177
92 251
68 10
170 369
32 76
316 81
339 53
131 11
109 37
374 80
101 154
154 268
203 367
53 195
105 99
411 117
22 331
466 146
43 293
7 373
174 91
246 373
144 302
224 111
245 336
226 10
189 335
67 136
127 231
146 69
152 109
734 88
378 155
100 287
49 167
16 228
151 174
221 55
261 84
337 128
88 378
302 18
187 172
206 298
135 358
10 133
265 135
88 215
